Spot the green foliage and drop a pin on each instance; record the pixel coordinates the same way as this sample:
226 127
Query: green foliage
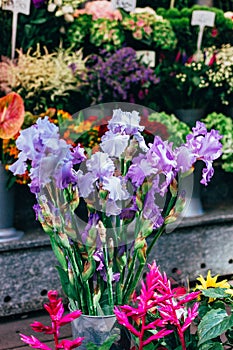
177 130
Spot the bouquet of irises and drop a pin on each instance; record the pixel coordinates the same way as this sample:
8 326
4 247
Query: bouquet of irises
104 210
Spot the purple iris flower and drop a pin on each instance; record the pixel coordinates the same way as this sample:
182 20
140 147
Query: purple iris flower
114 144
139 170
100 165
151 210
51 157
121 126
125 122
200 145
78 154
99 258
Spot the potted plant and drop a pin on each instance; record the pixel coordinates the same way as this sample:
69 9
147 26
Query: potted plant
99 208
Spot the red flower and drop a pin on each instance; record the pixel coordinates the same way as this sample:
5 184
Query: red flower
214 32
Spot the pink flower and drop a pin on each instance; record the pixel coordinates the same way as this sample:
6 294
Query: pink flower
33 342
70 317
39 327
70 344
55 309
100 9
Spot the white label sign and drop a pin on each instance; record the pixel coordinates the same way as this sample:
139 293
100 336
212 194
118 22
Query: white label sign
16 6
203 18
147 57
127 5
19 6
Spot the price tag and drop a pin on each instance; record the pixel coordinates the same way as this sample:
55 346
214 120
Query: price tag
127 5
202 18
16 6
147 57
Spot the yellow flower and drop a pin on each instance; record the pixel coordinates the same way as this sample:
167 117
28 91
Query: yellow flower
211 282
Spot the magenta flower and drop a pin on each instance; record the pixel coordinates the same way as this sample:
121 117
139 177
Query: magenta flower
34 343
70 344
55 309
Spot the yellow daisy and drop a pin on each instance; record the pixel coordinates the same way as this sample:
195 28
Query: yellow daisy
211 282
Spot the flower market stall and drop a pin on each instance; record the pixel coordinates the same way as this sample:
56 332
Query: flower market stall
123 122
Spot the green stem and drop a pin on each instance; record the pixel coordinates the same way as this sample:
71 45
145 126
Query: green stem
129 276
162 228
109 278
133 284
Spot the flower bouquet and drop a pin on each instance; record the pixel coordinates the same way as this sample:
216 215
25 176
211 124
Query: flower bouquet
104 210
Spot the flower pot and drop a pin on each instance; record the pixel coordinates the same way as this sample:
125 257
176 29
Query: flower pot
97 329
7 230
190 116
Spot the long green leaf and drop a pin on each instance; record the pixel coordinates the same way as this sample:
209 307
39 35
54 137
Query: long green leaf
211 346
213 324
215 293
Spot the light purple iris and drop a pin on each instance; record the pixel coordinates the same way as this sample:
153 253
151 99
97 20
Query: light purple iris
50 157
200 145
114 144
151 210
101 170
100 165
139 170
159 159
122 126
125 122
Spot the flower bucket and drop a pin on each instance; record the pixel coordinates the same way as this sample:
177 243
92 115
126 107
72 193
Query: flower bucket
7 231
97 329
190 116
194 206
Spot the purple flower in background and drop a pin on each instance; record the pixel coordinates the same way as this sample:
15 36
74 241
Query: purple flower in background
119 77
38 3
